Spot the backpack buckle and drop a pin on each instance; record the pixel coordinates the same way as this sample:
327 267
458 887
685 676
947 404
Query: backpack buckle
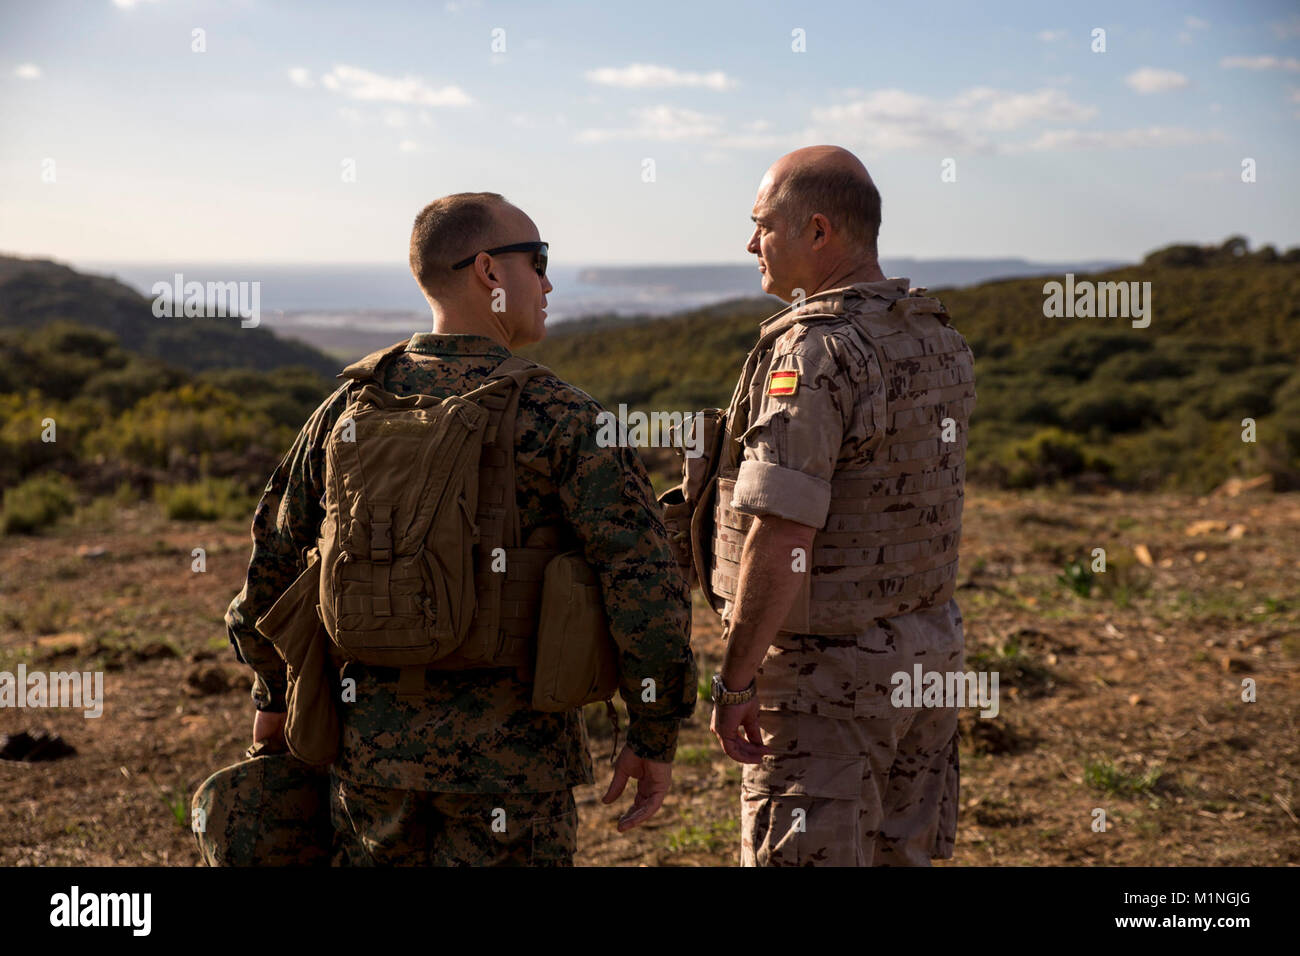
381 534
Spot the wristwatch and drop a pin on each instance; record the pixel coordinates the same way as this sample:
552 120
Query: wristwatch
723 696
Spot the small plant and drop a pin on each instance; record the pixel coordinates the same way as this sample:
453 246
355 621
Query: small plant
695 756
713 837
1078 577
1103 775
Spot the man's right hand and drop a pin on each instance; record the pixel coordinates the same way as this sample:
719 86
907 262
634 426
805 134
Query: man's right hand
269 726
654 780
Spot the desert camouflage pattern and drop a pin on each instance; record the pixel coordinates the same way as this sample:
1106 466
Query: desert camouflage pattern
876 785
851 445
385 827
474 731
857 449
269 810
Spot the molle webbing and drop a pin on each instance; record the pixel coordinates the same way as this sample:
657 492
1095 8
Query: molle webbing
505 622
889 544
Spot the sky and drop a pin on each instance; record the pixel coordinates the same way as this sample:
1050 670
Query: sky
251 131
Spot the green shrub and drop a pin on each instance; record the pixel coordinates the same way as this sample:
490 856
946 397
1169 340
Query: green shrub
1078 352
1049 456
1108 408
36 503
206 500
168 428
121 388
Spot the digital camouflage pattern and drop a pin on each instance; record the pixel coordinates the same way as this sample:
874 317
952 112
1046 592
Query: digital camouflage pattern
853 780
385 827
269 810
474 731
877 784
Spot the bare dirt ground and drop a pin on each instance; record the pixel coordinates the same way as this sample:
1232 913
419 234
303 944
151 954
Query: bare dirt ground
1128 699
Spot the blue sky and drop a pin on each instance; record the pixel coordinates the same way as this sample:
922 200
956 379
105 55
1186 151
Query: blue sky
161 153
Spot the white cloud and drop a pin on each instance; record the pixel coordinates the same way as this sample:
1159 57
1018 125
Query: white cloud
1285 29
300 76
27 71
408 146
889 120
358 84
128 4
1196 23
1003 111
1149 79
1051 36
1151 137
894 119
1262 62
644 76
395 118
660 123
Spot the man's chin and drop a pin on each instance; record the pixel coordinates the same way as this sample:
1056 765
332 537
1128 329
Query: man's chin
769 287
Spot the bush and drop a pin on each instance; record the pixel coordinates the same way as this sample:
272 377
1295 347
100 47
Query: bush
171 428
1078 352
36 503
122 388
1049 456
287 396
1109 408
22 417
206 500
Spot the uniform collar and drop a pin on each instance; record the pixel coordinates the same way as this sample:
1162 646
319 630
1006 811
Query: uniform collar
835 301
448 343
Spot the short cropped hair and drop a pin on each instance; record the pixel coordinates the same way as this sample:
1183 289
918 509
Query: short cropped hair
446 231
850 203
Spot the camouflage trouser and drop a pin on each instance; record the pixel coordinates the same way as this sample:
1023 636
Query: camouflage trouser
377 826
853 780
867 792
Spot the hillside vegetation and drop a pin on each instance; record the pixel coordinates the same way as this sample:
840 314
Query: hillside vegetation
99 398
36 292
1086 400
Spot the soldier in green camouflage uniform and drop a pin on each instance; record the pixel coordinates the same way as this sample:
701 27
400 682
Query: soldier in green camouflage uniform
470 773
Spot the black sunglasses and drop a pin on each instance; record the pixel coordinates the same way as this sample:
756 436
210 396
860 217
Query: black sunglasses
540 250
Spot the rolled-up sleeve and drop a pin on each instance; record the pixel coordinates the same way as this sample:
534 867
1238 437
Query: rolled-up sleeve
809 406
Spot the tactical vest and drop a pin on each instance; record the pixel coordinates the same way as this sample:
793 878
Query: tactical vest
889 544
504 628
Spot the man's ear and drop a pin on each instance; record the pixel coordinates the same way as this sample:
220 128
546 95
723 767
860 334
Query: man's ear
821 228
484 273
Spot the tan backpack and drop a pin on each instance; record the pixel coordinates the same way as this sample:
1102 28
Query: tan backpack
419 563
397 545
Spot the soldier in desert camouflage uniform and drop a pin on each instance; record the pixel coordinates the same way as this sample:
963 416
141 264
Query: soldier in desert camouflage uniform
435 780
836 523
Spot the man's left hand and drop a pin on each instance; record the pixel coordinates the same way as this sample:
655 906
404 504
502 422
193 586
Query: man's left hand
727 723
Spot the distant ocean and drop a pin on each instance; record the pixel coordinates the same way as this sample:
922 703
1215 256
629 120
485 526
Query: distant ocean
387 295
341 308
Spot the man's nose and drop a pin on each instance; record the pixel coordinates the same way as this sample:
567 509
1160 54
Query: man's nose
753 243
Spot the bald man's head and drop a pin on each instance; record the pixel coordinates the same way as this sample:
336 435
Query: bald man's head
833 182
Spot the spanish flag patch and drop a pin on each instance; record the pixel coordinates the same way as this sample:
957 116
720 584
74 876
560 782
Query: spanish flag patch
783 383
